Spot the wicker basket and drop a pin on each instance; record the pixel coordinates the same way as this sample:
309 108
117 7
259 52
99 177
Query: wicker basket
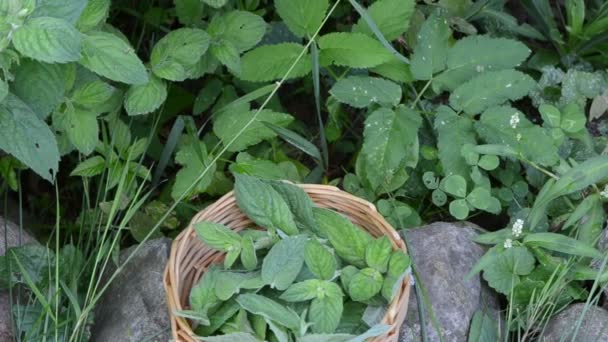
190 257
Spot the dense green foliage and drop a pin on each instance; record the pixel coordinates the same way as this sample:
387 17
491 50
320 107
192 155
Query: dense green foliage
142 113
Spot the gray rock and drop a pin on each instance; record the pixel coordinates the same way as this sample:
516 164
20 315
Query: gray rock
593 327
443 253
134 308
10 236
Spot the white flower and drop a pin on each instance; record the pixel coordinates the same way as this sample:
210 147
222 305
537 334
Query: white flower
605 192
514 120
518 136
517 227
508 243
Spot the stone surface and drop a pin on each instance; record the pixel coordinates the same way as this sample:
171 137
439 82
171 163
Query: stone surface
134 308
443 253
593 327
10 236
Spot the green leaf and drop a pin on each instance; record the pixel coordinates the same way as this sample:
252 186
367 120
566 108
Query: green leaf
394 70
398 264
453 132
475 54
68 10
354 50
302 291
218 236
24 135
326 338
391 16
325 313
348 240
489 162
296 140
459 209
49 40
176 53
489 89
229 124
202 295
146 98
271 62
95 13
248 257
390 143
479 198
82 129
242 29
454 185
193 165
41 86
93 94
483 328
378 253
189 12
320 261
236 336
303 18
347 274
431 49
362 91
207 96
90 167
228 283
573 118
263 205
505 270
220 317
299 203
215 3
562 244
228 55
283 263
365 284
269 309
550 115
113 58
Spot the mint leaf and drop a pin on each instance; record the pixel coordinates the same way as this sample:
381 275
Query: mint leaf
320 261
283 262
271 62
176 53
299 203
302 291
68 10
41 86
325 312
218 236
242 29
146 98
93 94
362 91
269 309
113 58
82 129
303 18
378 253
95 13
48 40
354 50
365 284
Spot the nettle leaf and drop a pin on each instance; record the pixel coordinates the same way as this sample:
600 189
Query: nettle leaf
93 94
263 205
193 165
68 10
48 40
302 291
300 204
113 58
146 98
218 236
271 62
365 284
24 135
490 89
228 55
378 254
303 18
503 274
532 141
95 13
453 132
228 125
431 49
475 54
354 50
82 128
325 312
215 3
348 240
362 91
41 86
283 263
390 143
242 29
319 260
391 16
176 54
269 309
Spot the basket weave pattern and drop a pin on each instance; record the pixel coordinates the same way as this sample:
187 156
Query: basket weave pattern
190 258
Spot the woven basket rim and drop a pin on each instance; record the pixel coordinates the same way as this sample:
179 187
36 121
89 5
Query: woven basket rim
188 249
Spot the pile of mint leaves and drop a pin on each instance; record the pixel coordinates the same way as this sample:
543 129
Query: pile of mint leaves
309 275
